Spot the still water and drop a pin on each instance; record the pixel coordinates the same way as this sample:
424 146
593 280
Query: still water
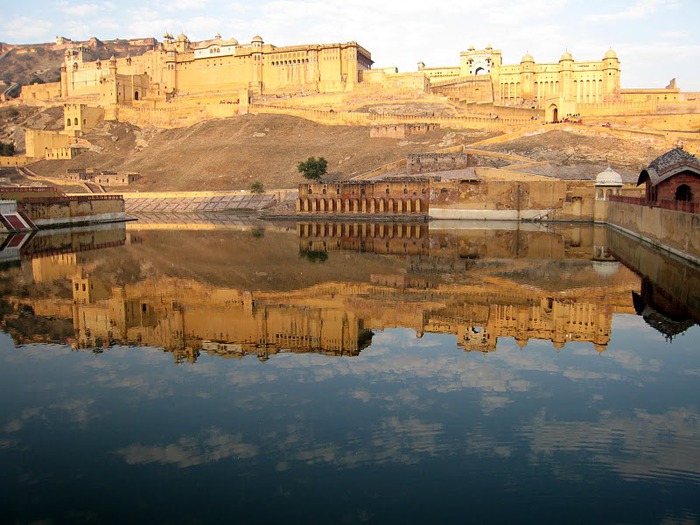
208 371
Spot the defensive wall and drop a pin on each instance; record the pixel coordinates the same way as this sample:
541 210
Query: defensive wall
82 209
400 131
669 230
422 163
351 118
481 198
51 208
15 162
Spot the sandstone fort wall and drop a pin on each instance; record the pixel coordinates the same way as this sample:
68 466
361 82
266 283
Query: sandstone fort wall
669 230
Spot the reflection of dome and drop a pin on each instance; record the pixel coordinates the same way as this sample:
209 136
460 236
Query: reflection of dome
606 268
566 56
609 177
527 58
610 54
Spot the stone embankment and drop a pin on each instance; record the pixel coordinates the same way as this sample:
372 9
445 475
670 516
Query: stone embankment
198 202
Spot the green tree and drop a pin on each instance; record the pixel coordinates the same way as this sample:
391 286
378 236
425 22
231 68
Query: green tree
257 187
7 150
314 256
313 168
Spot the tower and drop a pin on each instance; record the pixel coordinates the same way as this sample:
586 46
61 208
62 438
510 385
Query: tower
527 77
611 76
566 76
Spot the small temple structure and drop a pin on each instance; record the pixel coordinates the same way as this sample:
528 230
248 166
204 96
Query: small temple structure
674 176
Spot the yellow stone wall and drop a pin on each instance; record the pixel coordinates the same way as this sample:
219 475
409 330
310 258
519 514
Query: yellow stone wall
81 117
181 66
47 144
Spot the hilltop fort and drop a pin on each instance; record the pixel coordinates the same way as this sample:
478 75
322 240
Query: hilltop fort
239 72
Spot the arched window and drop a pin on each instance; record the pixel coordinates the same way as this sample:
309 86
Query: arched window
67 122
75 121
684 193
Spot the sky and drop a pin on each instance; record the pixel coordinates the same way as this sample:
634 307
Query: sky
656 40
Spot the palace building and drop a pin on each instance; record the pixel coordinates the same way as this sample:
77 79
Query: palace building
178 65
560 87
224 76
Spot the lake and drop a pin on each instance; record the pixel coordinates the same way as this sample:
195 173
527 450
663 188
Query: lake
210 369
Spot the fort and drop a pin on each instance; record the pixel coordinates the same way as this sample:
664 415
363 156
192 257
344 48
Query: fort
179 73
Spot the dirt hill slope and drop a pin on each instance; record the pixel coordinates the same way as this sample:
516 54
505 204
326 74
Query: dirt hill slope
31 63
232 153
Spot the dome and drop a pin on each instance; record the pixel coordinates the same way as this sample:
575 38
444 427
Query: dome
527 58
233 41
608 177
257 38
610 54
217 36
471 48
182 37
566 56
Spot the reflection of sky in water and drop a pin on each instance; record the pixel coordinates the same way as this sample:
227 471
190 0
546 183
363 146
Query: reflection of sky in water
410 430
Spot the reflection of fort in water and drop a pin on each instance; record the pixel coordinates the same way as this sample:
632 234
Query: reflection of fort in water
437 292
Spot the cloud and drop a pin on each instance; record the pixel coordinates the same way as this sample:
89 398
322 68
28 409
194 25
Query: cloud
637 11
25 29
182 5
209 447
16 424
638 446
82 10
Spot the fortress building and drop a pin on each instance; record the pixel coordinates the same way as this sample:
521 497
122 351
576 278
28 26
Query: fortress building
560 88
178 79
179 66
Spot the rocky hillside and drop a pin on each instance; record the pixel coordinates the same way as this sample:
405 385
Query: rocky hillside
28 64
232 153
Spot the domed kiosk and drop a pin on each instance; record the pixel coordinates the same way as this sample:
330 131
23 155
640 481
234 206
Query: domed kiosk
608 182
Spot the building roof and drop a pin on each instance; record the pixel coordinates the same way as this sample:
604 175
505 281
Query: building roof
669 164
566 56
609 177
610 53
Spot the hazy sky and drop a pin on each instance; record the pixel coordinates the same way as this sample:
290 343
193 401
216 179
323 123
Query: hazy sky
656 40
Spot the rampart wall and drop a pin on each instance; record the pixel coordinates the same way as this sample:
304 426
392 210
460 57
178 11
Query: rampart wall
64 210
367 119
14 162
43 144
400 131
669 230
512 200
